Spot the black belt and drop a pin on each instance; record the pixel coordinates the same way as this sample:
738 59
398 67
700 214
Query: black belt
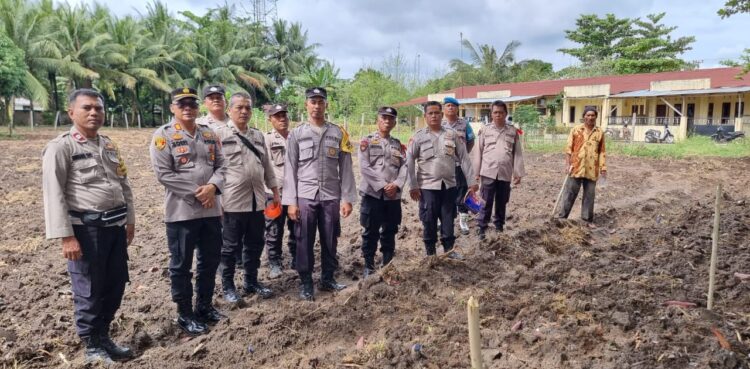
104 218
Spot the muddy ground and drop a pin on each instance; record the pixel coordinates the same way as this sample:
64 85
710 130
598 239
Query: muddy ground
553 294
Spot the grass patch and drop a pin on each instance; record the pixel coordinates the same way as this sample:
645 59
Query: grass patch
6 136
699 146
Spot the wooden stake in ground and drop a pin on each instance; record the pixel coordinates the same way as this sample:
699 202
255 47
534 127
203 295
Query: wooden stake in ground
714 249
475 339
559 195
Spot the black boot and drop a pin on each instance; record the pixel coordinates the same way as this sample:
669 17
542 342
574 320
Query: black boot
252 286
115 351
230 291
94 352
206 313
306 291
187 321
452 254
369 267
387 257
329 284
430 250
275 270
482 233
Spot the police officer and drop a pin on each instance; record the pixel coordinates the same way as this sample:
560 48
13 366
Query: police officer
88 205
318 182
498 158
249 172
382 161
431 157
276 146
465 137
187 160
216 105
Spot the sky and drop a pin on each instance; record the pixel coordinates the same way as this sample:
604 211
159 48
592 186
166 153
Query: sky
362 33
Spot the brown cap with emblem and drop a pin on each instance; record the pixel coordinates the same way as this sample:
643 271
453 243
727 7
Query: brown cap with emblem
183 93
213 89
275 108
387 110
316 91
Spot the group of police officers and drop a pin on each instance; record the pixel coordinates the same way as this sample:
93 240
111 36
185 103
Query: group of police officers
219 174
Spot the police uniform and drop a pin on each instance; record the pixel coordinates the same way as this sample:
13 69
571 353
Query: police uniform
382 160
464 135
317 177
276 147
248 172
182 162
87 195
498 158
208 120
431 165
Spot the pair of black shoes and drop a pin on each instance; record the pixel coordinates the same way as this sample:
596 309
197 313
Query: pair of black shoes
327 284
195 323
253 288
101 349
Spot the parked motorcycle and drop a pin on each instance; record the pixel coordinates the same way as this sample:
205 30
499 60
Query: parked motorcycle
656 136
720 136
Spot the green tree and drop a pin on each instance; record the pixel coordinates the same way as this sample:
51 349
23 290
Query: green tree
488 67
526 116
732 7
289 50
12 74
626 45
369 90
531 70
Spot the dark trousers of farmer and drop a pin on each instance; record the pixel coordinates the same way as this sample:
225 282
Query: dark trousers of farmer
321 216
497 193
98 278
437 205
380 220
201 236
242 231
461 189
572 186
275 237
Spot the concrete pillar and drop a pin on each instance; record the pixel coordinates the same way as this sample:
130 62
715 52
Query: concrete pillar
738 124
682 132
605 113
566 111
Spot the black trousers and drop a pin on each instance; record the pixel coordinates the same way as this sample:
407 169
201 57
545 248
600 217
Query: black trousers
98 278
497 193
437 205
202 236
572 187
461 189
380 220
321 216
275 237
242 231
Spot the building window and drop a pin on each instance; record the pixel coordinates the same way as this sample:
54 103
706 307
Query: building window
725 112
739 109
613 110
661 111
572 116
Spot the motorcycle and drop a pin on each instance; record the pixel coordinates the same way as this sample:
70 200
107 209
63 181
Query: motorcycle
720 136
655 136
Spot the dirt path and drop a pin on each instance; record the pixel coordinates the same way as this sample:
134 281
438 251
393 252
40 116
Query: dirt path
585 298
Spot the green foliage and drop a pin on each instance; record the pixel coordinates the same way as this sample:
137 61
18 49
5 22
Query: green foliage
527 116
697 146
369 90
625 46
732 7
12 68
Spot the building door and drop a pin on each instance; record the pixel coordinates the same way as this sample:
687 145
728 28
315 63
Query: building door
725 112
572 116
690 116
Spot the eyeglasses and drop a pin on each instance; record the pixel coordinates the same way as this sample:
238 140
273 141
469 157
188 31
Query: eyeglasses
187 104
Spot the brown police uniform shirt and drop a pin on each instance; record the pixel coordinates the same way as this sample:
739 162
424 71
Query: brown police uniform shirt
498 153
276 148
381 161
431 159
318 164
587 152
247 175
182 162
210 122
84 175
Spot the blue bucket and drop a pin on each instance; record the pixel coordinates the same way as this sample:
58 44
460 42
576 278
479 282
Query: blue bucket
474 204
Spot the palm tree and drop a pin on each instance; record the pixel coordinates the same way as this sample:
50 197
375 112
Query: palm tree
218 52
289 50
489 67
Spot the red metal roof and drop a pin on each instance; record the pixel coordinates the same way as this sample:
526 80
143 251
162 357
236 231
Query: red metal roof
720 77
